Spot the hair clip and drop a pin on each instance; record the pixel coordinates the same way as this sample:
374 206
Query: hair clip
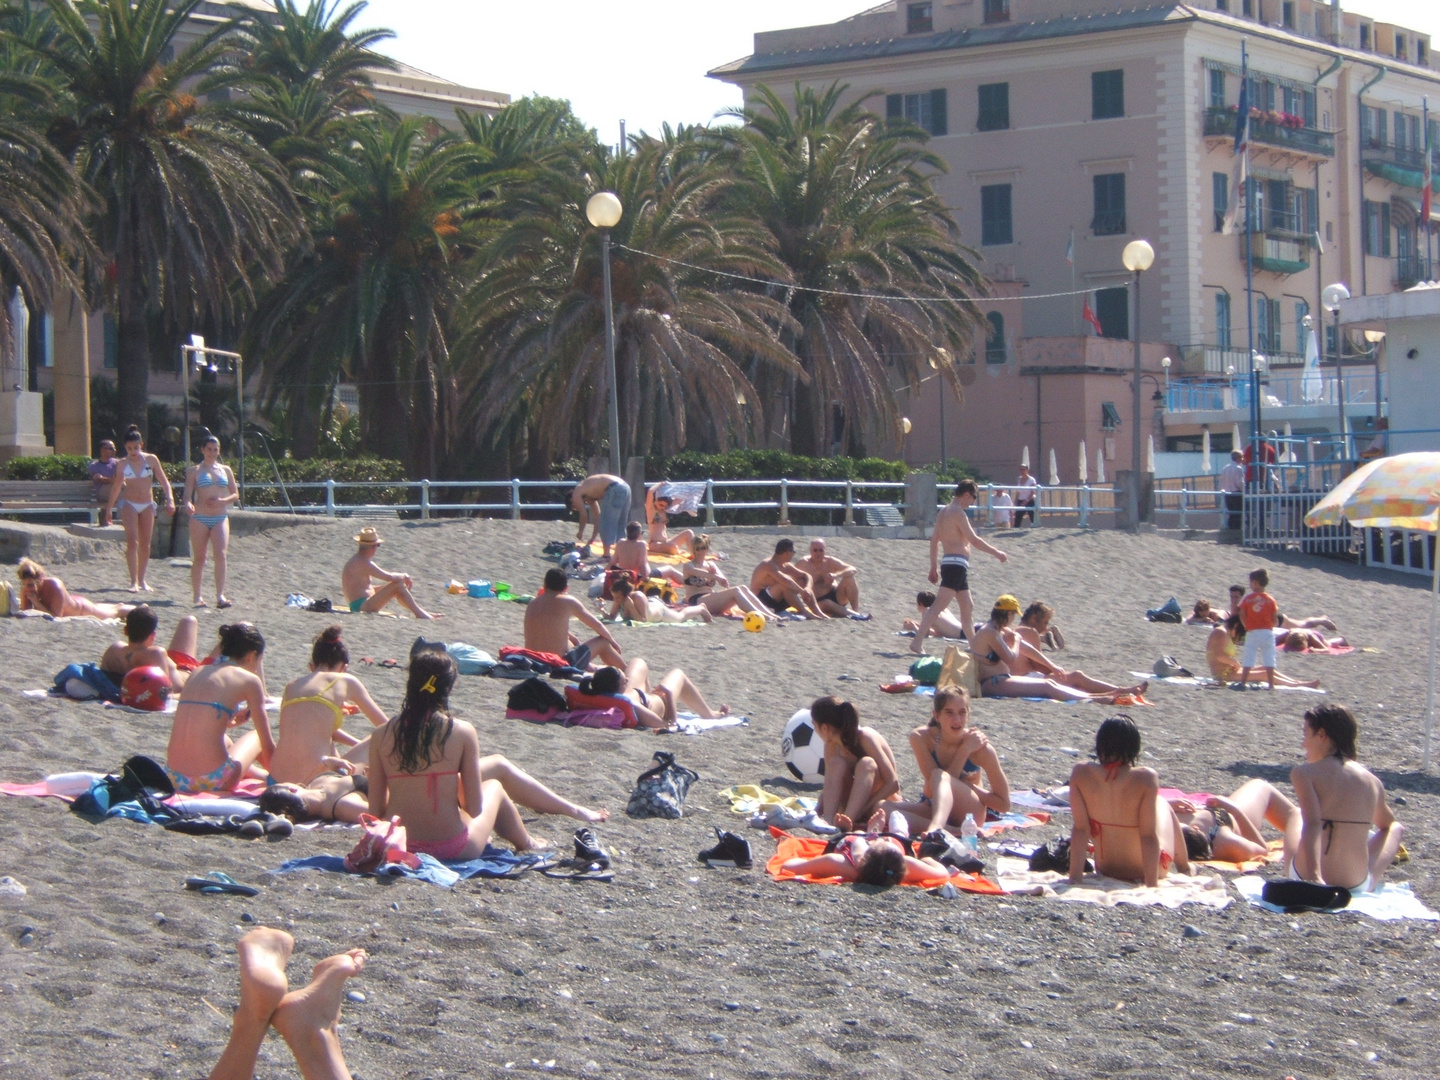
429 687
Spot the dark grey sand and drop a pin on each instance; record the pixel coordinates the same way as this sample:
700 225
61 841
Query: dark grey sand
676 970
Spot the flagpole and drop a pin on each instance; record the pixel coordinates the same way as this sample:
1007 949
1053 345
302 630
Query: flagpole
1256 455
1070 258
1427 178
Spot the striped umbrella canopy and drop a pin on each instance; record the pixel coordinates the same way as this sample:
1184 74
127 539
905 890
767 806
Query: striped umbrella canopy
1400 492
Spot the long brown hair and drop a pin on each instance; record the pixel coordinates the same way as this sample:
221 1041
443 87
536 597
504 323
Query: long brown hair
424 721
843 717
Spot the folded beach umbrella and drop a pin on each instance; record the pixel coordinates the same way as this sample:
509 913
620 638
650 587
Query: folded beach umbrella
1400 492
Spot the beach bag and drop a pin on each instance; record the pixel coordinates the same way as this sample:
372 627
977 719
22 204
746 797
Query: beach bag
1304 896
380 842
1054 857
1168 612
1168 667
926 670
469 660
534 696
9 601
664 588
140 780
660 791
959 670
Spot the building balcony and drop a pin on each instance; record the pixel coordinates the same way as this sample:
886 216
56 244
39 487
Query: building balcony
1297 394
1278 250
1403 167
1409 270
1269 129
1213 360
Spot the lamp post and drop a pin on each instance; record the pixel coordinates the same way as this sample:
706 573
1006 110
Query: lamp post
1137 257
1330 298
1374 338
603 211
942 357
194 353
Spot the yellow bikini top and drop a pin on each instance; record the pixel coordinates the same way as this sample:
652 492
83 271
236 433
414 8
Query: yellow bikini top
338 711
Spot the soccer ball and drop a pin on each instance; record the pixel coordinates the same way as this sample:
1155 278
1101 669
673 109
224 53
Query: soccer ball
145 688
803 749
753 621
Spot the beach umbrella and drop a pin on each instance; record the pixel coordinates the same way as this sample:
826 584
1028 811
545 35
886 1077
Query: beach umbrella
1150 455
1025 456
1236 443
1205 466
1400 492
1099 465
1054 470
1084 465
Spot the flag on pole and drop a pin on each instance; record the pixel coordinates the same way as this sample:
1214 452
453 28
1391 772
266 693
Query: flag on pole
1429 183
1088 314
1070 249
1241 172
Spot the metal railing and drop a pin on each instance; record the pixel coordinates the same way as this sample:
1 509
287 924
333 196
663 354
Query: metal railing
1220 120
1278 391
1400 549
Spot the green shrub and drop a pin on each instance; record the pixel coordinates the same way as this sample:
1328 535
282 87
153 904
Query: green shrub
55 467
361 470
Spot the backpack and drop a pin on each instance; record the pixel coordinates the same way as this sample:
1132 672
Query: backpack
926 670
534 696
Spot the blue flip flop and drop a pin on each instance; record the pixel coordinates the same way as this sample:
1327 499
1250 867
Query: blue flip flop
217 882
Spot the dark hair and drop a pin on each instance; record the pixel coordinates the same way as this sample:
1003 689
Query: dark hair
285 803
1339 725
241 639
943 697
1037 610
924 598
140 623
1201 606
997 613
622 586
632 531
555 580
605 681
423 723
1197 843
132 434
1236 627
1236 588
208 439
783 545
843 717
1262 576
966 486
882 864
1118 741
329 651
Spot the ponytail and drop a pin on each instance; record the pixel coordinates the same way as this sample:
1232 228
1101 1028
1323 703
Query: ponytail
842 717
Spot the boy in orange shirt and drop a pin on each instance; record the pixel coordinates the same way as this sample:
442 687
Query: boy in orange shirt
1258 613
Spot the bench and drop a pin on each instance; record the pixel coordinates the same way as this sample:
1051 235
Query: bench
27 498
888 516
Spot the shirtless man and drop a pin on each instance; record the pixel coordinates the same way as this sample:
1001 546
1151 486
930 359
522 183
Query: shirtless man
836 590
139 648
780 584
547 626
954 533
604 502
361 570
657 512
631 553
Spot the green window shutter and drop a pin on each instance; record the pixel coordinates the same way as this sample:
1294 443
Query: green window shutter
938 125
894 106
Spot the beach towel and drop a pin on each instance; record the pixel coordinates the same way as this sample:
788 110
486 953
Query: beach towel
765 809
1393 900
809 847
687 723
686 496
1204 682
1173 891
496 862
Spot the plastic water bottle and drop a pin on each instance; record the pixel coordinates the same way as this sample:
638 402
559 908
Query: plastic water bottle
970 835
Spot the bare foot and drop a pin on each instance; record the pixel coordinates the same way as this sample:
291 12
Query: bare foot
263 955
200 602
431 615
134 587
705 615
145 585
843 823
537 844
309 1019
724 711
591 817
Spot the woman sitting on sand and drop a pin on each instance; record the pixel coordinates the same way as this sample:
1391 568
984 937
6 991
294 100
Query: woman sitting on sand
630 603
872 857
706 586
216 698
1137 836
1341 802
312 713
1228 829
426 766
1009 667
860 769
1221 649
41 592
952 757
655 707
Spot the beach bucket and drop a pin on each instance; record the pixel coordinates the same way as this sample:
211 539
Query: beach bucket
502 589
480 590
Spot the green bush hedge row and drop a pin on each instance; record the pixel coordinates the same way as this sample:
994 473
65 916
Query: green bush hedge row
774 464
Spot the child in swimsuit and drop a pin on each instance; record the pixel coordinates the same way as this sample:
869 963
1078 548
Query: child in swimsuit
312 714
952 756
200 756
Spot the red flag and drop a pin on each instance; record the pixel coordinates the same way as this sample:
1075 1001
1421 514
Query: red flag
1088 314
1428 183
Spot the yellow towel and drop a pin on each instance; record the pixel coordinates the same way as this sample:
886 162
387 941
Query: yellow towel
752 798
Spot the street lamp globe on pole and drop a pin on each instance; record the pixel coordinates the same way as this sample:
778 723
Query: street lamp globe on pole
1330 298
603 211
1137 257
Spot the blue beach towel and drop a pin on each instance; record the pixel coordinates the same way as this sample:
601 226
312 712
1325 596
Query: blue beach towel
496 862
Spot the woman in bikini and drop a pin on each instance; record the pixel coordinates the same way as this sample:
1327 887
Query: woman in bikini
1228 829
41 592
342 795
209 492
860 769
1011 668
1137 836
134 488
1221 653
873 857
655 707
312 714
706 586
630 603
426 766
1348 835
216 698
952 756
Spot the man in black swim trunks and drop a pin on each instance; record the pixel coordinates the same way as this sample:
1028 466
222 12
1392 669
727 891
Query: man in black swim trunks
781 585
836 591
956 536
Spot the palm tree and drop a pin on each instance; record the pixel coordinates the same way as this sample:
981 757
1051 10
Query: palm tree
534 343
370 300
192 211
848 206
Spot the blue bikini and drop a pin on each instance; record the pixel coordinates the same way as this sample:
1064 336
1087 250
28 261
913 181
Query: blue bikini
209 479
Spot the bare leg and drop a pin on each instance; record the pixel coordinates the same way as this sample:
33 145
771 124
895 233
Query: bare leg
144 529
695 612
263 956
1263 802
396 590
187 637
220 539
1028 686
1383 847
1167 828
942 601
838 776
848 592
861 788
688 694
603 651
309 1019
637 674
1078 680
965 798
199 544
129 520
497 816
528 792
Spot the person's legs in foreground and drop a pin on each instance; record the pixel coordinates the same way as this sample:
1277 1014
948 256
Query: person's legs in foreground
186 638
309 1019
263 956
684 692
396 590
497 816
1262 801
524 790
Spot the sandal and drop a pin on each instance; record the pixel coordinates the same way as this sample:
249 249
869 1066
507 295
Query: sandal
217 882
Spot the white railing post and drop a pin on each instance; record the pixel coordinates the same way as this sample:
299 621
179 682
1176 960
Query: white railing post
1085 506
849 502
709 504
1184 507
330 497
514 500
784 501
424 500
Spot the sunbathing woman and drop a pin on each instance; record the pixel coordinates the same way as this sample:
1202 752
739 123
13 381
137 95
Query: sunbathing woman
341 796
630 603
1204 613
1307 641
1229 829
656 707
426 766
1340 803
1137 836
1220 654
944 624
870 858
706 586
216 698
312 714
41 592
952 756
860 768
1008 665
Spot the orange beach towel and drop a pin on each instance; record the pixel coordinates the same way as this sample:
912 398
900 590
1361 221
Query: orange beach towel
808 847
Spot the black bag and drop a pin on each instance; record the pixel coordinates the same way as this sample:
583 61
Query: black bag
661 791
1304 896
424 645
535 695
1055 857
140 780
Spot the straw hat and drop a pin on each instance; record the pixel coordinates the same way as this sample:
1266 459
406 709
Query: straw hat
368 536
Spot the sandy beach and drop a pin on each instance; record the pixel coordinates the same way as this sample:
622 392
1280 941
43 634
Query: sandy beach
109 968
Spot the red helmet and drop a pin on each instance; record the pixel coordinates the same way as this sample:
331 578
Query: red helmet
145 688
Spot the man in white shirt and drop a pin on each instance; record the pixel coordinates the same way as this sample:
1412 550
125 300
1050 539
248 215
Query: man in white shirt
1027 488
1232 483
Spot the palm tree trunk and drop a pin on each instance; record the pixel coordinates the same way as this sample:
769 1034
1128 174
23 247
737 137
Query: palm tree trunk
132 369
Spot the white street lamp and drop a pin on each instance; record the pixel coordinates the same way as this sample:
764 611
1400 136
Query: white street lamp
1137 257
603 211
1330 298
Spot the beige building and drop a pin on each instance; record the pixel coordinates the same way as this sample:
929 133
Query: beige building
68 345
1071 127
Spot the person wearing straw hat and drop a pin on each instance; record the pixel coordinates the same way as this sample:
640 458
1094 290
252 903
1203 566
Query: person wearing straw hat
361 571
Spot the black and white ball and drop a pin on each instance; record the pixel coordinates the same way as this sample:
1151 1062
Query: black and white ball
803 748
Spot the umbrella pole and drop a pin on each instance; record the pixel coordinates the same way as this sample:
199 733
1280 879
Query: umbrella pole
1434 614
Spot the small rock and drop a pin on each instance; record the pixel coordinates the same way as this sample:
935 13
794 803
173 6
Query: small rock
1371 1055
159 918
1027 1045
1053 996
928 945
246 917
1192 931
10 887
852 1023
732 1006
717 1037
1399 800
356 996
394 905
1402 1000
27 938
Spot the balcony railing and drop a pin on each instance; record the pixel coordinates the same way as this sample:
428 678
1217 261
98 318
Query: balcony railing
1409 270
1277 250
1215 360
1310 142
1277 391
